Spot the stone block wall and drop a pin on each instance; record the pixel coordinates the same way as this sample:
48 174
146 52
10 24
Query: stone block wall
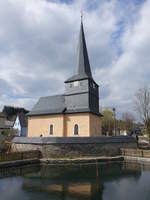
73 147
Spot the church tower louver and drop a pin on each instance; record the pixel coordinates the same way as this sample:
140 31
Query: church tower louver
76 113
82 92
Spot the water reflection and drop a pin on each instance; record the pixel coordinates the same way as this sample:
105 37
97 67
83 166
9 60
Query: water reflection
71 182
19 171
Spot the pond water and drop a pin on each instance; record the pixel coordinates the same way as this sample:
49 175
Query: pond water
111 181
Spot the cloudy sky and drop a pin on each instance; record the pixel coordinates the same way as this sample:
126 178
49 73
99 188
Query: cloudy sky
38 42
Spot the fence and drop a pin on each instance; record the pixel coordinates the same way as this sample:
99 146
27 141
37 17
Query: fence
143 138
135 153
20 155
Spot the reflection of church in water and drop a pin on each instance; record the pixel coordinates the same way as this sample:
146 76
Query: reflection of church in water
77 182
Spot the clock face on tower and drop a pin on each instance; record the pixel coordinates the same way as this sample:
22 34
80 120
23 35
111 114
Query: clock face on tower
76 83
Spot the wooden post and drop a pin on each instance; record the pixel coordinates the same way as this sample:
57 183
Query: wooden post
97 174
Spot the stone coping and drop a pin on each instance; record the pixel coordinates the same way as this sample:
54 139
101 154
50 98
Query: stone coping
18 163
74 140
80 160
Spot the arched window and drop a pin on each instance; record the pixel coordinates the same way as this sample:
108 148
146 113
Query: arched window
76 129
51 130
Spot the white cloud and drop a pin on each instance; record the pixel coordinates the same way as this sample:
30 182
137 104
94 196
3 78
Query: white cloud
38 41
131 69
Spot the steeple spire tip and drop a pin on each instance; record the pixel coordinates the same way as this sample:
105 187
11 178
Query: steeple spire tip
81 15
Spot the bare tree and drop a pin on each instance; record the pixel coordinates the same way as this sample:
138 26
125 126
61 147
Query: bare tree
142 104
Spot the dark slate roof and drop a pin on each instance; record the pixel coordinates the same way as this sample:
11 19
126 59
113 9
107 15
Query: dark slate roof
83 70
6 124
2 115
54 105
83 110
49 105
11 111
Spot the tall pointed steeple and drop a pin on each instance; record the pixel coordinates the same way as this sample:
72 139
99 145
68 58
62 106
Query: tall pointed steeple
83 69
81 91
83 65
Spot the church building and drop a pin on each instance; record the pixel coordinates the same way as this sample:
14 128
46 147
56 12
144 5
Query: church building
75 113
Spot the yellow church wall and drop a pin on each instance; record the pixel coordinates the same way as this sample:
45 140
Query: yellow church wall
95 125
82 120
63 125
38 125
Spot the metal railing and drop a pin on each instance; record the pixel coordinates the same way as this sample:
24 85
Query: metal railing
135 153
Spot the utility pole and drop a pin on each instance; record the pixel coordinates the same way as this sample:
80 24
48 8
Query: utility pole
114 111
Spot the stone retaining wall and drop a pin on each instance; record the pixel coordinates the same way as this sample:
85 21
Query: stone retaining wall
75 147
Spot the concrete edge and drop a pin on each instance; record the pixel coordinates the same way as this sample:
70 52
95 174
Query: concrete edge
18 163
84 160
73 140
80 160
